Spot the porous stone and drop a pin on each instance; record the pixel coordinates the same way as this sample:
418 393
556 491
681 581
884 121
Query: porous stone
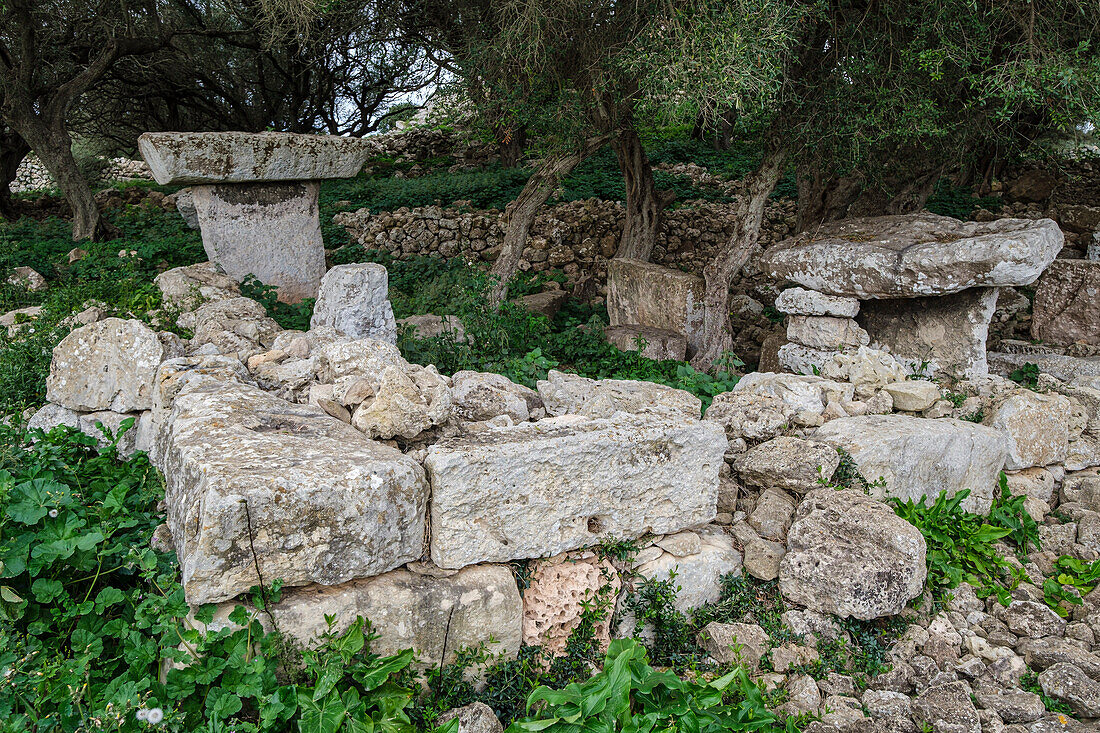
188 287
802 302
762 558
643 294
802 393
936 335
749 416
1034 620
256 484
773 514
562 483
238 326
913 395
1037 426
826 332
914 255
571 394
867 369
239 157
408 399
850 555
735 643
271 231
560 590
947 708
1069 684
484 395
801 359
656 343
107 365
477 717
353 301
1065 309
791 464
916 457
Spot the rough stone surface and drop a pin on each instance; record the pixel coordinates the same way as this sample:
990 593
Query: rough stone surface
801 392
660 344
237 157
947 708
1065 303
568 482
408 399
915 255
802 302
269 230
570 394
1037 426
850 555
867 369
1060 366
791 464
947 332
1068 683
698 576
353 300
644 294
484 395
762 558
773 514
429 325
918 457
186 288
185 205
802 359
477 717
559 591
731 643
425 611
238 326
913 395
1034 620
252 479
826 332
749 416
107 365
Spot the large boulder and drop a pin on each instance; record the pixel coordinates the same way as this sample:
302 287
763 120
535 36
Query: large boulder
570 394
353 300
914 255
257 486
485 395
1065 303
916 457
107 365
801 302
850 555
1037 426
937 335
643 294
241 157
652 343
563 483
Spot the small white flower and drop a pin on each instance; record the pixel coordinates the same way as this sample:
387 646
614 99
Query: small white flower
53 514
142 714
154 716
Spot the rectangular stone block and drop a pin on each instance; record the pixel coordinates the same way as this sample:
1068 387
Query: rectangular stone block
257 486
538 489
644 294
241 157
1067 303
269 230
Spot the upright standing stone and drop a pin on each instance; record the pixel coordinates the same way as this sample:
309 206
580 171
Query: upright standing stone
1067 303
353 300
644 294
255 196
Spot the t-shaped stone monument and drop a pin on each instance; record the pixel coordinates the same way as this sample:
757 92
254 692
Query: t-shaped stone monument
256 198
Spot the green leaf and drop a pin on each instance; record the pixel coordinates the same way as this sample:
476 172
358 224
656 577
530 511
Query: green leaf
46 590
325 716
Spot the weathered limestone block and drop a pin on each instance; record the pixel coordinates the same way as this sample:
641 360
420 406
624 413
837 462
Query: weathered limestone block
867 369
242 157
572 394
1037 426
826 332
750 416
791 464
269 230
563 483
644 294
914 255
850 555
485 395
1060 366
800 392
948 332
699 575
353 300
660 344
560 590
913 395
238 326
406 402
186 288
185 205
801 359
429 325
107 365
801 302
918 457
255 480
1066 300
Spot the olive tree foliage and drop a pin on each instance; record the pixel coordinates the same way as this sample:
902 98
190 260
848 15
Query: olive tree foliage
884 91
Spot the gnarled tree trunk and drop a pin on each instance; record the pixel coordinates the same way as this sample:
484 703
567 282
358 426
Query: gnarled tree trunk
644 202
727 263
520 214
13 149
513 143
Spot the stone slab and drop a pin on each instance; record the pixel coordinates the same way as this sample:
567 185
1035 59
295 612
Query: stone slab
644 294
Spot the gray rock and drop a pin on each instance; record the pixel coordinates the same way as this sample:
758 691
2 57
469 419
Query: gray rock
916 456
237 326
429 325
790 464
257 484
735 643
850 555
643 294
789 656
801 302
477 717
773 514
914 255
947 708
570 394
699 576
913 395
1034 620
185 205
886 703
826 332
802 695
568 482
1037 425
1046 652
353 300
1065 303
1069 684
484 395
800 392
657 343
762 558
188 287
1012 706
749 416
